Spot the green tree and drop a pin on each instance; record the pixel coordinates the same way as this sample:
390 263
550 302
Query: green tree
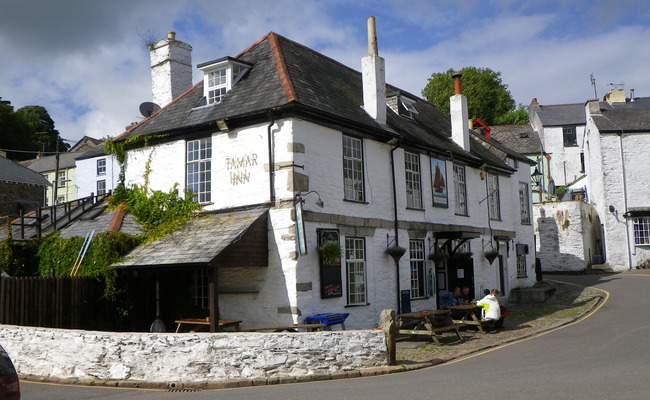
15 134
487 96
516 117
42 125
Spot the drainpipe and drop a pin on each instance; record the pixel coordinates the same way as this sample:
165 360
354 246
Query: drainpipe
269 135
627 231
392 166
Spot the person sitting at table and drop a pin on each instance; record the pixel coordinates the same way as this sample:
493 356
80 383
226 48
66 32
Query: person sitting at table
458 296
493 311
466 296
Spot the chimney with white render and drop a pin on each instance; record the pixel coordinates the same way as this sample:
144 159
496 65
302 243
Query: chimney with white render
171 69
374 79
459 115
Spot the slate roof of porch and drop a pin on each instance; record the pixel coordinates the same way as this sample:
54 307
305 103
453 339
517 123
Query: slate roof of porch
195 244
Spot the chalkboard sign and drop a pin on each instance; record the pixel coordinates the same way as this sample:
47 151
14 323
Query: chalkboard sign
406 301
331 284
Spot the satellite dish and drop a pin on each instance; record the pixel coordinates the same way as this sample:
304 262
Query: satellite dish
147 108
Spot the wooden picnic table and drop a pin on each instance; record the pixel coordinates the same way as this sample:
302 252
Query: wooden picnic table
202 323
287 328
470 315
429 323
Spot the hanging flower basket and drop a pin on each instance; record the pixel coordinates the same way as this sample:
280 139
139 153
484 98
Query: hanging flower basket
396 252
491 255
330 253
438 257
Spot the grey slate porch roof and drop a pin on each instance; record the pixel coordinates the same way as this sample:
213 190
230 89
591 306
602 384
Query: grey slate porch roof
197 244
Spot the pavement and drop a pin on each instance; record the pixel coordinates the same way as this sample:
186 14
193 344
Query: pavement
568 304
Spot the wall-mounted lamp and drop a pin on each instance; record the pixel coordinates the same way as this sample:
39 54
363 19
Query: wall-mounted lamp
319 202
612 209
536 177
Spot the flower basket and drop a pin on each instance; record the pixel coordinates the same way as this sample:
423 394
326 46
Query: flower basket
396 252
330 253
491 255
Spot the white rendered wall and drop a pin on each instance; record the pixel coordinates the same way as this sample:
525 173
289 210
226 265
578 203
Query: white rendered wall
87 176
166 166
565 161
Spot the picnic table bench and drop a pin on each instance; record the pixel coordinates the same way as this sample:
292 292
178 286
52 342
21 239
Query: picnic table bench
428 322
287 328
196 324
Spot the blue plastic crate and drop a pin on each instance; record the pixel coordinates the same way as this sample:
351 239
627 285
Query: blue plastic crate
327 318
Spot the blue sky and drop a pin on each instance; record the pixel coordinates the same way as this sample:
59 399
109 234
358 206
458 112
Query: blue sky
86 62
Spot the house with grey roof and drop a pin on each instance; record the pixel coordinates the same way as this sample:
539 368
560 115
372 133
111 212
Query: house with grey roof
617 133
21 189
287 151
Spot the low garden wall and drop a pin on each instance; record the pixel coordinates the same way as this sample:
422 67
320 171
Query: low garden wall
188 357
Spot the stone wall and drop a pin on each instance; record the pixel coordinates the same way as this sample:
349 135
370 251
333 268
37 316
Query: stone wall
12 192
189 357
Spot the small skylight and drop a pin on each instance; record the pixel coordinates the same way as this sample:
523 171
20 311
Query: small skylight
220 76
409 105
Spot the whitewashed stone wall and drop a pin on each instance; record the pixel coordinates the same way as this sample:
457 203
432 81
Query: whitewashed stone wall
567 232
188 357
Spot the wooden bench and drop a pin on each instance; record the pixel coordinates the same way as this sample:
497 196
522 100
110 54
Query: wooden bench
287 328
430 323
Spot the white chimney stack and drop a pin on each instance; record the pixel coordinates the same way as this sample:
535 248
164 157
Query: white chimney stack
459 115
171 69
374 79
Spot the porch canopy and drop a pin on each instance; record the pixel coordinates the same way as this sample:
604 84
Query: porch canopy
217 241
460 236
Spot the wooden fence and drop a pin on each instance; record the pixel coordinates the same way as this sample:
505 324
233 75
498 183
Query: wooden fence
56 302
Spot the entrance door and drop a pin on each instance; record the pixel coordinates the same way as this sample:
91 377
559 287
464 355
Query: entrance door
461 273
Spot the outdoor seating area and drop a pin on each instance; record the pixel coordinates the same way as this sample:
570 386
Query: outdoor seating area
431 323
313 323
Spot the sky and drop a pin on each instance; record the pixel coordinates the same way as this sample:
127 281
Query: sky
87 63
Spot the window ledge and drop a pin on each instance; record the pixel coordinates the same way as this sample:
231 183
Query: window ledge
356 305
356 201
415 209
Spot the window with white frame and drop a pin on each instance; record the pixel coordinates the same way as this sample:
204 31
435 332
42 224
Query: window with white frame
200 285
413 180
217 85
494 201
642 231
355 262
101 188
101 166
353 184
524 203
199 169
60 179
460 189
418 269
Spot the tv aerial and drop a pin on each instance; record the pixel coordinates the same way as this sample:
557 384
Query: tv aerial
147 108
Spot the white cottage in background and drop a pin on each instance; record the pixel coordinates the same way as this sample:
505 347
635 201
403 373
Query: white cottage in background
97 173
287 150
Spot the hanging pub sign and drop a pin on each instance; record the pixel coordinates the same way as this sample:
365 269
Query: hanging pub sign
300 229
329 251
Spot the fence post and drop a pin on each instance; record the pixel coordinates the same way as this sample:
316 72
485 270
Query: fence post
387 323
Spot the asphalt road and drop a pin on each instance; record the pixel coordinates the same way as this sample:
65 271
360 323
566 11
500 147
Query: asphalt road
604 356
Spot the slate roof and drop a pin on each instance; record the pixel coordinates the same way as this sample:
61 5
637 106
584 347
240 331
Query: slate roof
14 172
521 138
48 163
630 117
98 220
562 114
293 80
197 243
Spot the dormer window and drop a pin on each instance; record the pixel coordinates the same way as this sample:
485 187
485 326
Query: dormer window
220 76
409 106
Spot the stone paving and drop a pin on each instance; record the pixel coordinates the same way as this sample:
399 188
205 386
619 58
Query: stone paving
568 303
